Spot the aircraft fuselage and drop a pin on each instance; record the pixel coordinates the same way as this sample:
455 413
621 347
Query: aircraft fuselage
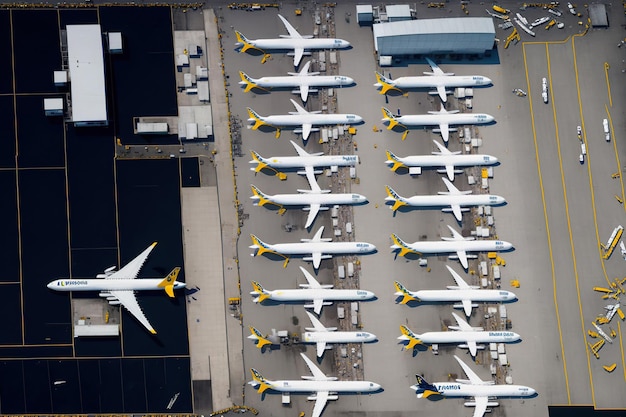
338 337
460 295
315 386
109 284
450 119
326 294
469 336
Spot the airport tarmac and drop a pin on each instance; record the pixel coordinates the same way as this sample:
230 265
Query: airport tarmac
555 258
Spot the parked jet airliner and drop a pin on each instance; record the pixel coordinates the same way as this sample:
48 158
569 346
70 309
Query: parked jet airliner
299 44
322 387
445 158
437 79
481 391
453 200
456 244
313 291
468 295
463 334
303 118
443 119
303 82
119 287
313 250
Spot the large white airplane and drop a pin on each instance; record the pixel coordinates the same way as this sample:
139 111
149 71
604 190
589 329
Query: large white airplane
299 44
466 294
443 158
312 250
443 118
303 118
481 391
119 287
312 200
455 244
319 295
321 336
466 336
453 200
310 162
303 82
322 387
437 79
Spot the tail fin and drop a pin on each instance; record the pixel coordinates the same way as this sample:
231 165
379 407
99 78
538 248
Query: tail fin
424 388
254 116
385 83
261 293
413 339
169 281
259 245
260 196
393 159
245 42
400 244
388 116
406 294
399 201
259 160
247 81
261 340
260 381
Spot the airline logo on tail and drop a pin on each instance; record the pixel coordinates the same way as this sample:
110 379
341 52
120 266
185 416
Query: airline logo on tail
261 340
258 195
247 81
395 197
260 292
424 388
256 118
400 244
244 42
388 116
406 295
407 334
394 161
169 282
260 381
385 83
259 160
261 246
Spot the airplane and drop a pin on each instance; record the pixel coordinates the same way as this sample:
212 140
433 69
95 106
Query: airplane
119 287
466 294
324 388
319 295
458 201
303 118
302 82
313 200
442 118
481 391
311 162
321 335
463 334
445 158
261 341
314 250
301 45
455 244
437 79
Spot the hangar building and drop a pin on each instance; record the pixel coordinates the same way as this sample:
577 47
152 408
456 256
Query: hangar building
463 35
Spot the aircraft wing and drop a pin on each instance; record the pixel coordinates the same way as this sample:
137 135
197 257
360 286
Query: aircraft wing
456 210
450 171
463 258
317 259
467 307
321 347
321 398
441 90
293 33
297 55
129 301
460 282
318 303
301 152
434 67
306 130
304 92
471 345
474 379
481 406
318 375
313 210
131 269
310 175
313 283
463 325
445 131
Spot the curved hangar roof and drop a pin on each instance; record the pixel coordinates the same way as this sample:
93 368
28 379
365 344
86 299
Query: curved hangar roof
462 35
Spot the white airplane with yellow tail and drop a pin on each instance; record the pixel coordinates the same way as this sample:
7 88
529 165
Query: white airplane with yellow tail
457 244
303 82
466 294
119 287
322 387
443 158
312 250
300 44
317 294
309 162
304 121
437 79
483 392
454 200
443 119
322 336
464 335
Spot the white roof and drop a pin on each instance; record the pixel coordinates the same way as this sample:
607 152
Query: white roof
398 10
86 64
435 26
364 8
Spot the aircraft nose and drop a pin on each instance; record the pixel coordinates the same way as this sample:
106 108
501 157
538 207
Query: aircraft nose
50 284
493 159
531 391
376 387
349 81
500 200
487 80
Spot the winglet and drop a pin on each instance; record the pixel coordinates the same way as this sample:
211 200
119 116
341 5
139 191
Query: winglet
393 159
260 381
388 116
398 200
262 341
400 244
406 294
260 292
407 334
169 281
385 83
254 116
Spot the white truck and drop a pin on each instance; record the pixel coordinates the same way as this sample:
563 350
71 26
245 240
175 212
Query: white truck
607 133
544 89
